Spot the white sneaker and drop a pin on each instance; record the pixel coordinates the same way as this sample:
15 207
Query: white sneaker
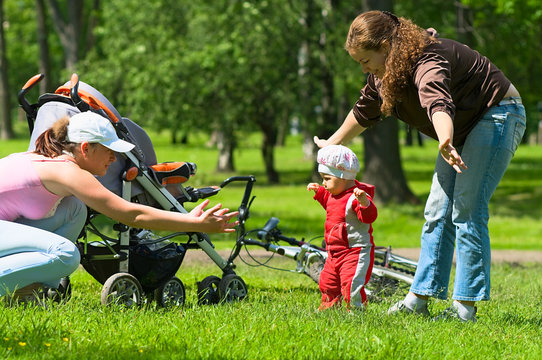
451 313
400 307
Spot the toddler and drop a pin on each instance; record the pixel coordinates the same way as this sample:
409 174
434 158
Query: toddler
350 211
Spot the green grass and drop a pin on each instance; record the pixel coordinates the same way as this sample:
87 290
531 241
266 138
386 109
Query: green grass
279 320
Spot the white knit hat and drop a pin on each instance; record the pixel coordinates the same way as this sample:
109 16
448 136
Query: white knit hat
339 161
93 128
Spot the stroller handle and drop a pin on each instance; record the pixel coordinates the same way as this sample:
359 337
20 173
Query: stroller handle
30 110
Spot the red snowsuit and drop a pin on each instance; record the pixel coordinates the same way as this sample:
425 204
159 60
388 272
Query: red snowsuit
350 246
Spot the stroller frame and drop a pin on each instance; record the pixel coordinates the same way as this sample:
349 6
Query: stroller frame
122 287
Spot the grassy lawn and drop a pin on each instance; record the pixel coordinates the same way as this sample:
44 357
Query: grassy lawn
278 320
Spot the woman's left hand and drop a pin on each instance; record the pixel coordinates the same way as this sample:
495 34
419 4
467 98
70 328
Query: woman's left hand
449 153
215 219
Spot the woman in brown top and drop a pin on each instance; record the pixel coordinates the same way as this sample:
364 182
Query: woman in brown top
458 97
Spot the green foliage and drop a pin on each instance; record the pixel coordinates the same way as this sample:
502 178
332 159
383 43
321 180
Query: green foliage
139 61
181 64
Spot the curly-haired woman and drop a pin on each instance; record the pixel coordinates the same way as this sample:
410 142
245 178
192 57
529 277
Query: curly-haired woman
456 96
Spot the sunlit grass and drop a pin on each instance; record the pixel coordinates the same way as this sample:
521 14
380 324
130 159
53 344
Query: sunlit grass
278 320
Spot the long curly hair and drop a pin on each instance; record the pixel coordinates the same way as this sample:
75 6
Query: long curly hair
407 42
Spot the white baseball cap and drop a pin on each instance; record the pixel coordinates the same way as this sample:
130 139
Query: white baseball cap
93 128
339 161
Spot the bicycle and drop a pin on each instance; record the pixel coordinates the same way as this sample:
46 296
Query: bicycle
392 274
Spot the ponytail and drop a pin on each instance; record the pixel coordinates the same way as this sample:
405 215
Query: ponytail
52 142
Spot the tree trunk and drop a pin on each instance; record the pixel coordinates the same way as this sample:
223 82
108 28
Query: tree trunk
464 24
269 132
382 160
92 23
283 130
313 55
43 44
68 31
226 143
383 163
6 129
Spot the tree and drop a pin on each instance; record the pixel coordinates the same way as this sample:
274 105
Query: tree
248 67
68 29
43 43
5 103
322 70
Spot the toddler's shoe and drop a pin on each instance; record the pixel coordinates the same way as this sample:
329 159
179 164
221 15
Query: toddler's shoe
401 307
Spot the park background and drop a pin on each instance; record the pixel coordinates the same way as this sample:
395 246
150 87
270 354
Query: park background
240 87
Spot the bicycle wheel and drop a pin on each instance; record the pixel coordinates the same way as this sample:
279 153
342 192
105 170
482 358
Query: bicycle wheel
314 270
386 282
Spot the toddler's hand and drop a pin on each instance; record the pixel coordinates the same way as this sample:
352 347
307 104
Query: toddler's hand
313 186
362 197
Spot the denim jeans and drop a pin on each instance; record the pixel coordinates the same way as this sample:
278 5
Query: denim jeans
68 220
41 251
30 255
456 211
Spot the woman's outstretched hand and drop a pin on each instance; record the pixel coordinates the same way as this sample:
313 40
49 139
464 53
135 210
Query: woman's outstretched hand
215 219
449 153
320 142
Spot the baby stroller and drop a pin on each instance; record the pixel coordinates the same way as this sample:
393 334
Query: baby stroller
136 265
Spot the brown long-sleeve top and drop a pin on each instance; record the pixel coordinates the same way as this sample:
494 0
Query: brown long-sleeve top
448 77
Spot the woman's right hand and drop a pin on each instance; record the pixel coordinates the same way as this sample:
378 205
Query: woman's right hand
320 142
215 219
349 129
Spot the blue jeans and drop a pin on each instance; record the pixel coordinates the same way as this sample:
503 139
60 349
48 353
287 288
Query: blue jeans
30 255
456 211
68 220
41 251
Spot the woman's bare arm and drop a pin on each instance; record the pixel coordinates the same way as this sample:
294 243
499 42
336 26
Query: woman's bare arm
349 129
69 179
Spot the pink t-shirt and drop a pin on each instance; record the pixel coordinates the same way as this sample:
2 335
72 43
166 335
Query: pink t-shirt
21 192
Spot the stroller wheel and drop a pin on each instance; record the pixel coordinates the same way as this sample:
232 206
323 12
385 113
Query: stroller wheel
122 289
208 292
171 294
232 288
